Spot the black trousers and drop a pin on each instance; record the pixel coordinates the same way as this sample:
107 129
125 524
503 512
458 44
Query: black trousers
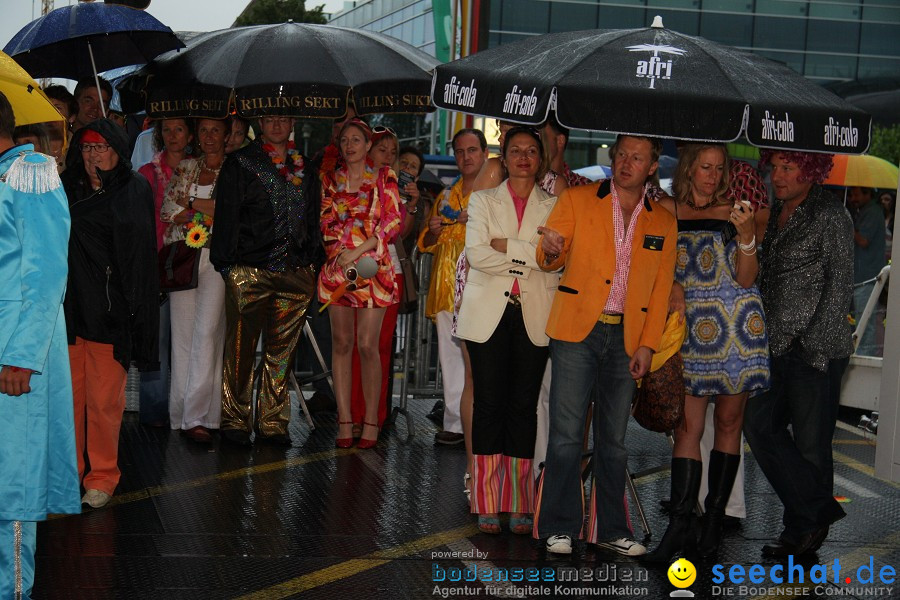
507 371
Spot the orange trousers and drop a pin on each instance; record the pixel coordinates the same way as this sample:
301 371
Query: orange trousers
98 390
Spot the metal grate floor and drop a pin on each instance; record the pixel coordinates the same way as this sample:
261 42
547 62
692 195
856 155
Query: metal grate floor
314 522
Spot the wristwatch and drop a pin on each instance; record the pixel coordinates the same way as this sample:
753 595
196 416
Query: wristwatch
191 203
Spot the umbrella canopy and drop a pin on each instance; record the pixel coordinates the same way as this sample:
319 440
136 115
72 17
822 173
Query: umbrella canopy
595 172
652 81
86 38
863 171
29 103
291 69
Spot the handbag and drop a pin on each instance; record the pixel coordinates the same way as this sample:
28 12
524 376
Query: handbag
179 266
409 295
658 402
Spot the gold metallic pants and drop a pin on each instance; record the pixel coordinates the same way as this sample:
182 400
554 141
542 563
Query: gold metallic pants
274 305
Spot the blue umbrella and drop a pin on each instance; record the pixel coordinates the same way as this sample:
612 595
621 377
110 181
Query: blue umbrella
87 38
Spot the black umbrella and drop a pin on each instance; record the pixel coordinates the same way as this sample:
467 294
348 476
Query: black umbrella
652 81
292 69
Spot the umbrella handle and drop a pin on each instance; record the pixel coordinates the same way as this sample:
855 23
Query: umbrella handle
96 79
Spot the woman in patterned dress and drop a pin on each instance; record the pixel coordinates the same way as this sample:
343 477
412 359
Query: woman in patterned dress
360 217
726 349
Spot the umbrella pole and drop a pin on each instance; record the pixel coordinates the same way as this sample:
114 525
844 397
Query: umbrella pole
96 79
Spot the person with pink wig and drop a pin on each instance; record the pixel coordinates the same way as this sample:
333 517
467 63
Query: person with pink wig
806 282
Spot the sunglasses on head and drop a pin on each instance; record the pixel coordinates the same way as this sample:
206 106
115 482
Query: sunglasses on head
383 129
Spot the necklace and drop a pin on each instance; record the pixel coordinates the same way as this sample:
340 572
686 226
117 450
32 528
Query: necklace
690 202
290 167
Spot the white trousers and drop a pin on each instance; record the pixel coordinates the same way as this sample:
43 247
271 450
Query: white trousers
453 371
736 506
198 340
543 424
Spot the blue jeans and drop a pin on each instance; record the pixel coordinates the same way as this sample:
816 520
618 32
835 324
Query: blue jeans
598 363
154 396
798 464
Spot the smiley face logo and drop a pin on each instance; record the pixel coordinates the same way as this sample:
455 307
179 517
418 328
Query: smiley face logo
682 573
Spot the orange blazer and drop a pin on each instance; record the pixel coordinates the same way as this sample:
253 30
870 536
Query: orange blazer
583 216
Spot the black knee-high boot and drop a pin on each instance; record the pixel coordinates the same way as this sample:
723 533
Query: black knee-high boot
686 474
722 471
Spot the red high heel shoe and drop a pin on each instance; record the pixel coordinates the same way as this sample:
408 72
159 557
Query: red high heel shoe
344 442
365 443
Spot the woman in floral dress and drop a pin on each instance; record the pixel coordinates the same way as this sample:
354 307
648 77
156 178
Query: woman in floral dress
360 217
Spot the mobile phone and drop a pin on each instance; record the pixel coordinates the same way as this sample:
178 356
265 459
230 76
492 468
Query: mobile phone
403 179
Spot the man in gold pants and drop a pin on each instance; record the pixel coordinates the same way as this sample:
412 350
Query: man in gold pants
265 245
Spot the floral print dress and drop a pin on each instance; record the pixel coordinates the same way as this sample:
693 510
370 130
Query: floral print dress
347 220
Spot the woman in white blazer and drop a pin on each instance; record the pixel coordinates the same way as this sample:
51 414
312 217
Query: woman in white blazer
502 318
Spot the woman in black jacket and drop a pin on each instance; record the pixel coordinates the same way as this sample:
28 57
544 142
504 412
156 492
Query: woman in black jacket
112 298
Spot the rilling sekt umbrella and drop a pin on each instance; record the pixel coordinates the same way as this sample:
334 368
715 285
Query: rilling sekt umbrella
652 81
291 69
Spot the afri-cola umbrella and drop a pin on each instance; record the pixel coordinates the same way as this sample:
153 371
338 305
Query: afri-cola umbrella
652 81
87 38
290 69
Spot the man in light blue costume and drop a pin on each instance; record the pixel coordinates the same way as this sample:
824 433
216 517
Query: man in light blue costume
38 471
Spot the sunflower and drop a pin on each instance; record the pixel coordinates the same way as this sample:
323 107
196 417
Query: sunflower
196 237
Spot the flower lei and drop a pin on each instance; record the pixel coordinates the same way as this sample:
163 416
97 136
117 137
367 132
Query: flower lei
364 198
291 168
331 160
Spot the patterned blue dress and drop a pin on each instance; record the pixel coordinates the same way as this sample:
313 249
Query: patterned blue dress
726 350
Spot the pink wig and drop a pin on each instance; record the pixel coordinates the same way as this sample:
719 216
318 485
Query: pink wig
813 166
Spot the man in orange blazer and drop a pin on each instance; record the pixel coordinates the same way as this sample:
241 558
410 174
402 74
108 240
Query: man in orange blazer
618 250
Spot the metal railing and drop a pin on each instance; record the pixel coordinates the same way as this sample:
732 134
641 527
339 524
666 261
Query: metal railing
416 337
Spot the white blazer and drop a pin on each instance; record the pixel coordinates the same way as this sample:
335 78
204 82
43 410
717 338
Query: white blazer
492 215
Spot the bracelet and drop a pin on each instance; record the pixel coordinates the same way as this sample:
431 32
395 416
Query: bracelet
750 252
191 203
749 246
413 210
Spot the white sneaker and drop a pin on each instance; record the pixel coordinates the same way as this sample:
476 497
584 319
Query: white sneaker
624 546
95 498
559 544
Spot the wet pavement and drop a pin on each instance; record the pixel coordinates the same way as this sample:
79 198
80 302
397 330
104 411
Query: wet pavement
311 521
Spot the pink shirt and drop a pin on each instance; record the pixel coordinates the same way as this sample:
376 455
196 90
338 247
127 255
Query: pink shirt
519 203
158 173
615 304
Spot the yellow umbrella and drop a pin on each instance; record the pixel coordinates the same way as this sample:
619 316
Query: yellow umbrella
30 104
863 170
